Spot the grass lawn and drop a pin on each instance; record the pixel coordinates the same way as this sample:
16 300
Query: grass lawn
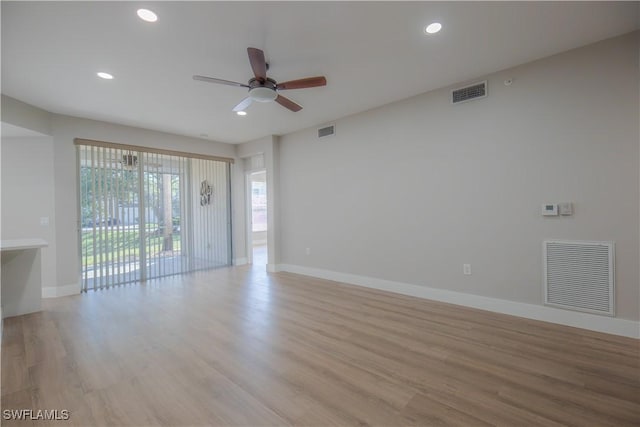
113 245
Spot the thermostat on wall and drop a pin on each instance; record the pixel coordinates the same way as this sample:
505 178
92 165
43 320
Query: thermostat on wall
550 209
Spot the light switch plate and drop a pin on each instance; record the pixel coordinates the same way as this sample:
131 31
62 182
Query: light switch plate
565 208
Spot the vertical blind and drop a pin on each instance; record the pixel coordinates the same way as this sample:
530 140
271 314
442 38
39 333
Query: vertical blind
145 215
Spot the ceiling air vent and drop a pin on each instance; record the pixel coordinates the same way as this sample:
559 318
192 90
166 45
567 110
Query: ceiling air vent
326 131
467 93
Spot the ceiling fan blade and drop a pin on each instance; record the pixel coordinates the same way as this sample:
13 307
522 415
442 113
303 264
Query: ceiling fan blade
258 63
287 103
220 81
303 83
243 104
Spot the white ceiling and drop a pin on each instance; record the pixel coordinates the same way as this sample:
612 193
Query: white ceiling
371 53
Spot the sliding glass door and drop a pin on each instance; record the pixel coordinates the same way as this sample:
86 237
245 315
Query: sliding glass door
146 215
163 209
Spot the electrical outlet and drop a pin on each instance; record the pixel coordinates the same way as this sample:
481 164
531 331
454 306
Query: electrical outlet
308 251
466 269
44 220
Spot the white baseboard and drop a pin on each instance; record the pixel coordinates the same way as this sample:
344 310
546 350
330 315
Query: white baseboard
609 325
274 268
240 261
60 291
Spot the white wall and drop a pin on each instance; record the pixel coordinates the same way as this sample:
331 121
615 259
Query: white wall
410 191
25 116
65 129
28 195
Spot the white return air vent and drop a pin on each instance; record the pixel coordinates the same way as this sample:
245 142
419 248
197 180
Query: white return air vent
467 93
326 131
579 275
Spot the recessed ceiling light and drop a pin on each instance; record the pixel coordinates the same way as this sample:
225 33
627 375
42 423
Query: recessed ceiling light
241 113
147 15
104 75
433 28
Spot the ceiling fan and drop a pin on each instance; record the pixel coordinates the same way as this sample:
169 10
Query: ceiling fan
262 88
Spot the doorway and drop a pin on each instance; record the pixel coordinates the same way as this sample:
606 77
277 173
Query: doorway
257 227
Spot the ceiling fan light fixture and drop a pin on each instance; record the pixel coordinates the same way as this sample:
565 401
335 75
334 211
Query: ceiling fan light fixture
104 75
241 113
262 94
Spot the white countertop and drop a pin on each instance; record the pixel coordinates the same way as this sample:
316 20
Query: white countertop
21 244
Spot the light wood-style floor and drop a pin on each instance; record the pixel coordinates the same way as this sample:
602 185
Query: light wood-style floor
239 347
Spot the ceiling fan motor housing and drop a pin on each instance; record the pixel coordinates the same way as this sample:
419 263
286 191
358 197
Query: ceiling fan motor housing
262 92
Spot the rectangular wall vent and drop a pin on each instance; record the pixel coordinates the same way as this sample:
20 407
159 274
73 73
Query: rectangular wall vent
579 275
326 131
467 93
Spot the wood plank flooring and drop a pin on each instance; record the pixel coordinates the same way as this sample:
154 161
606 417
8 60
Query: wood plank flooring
238 347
